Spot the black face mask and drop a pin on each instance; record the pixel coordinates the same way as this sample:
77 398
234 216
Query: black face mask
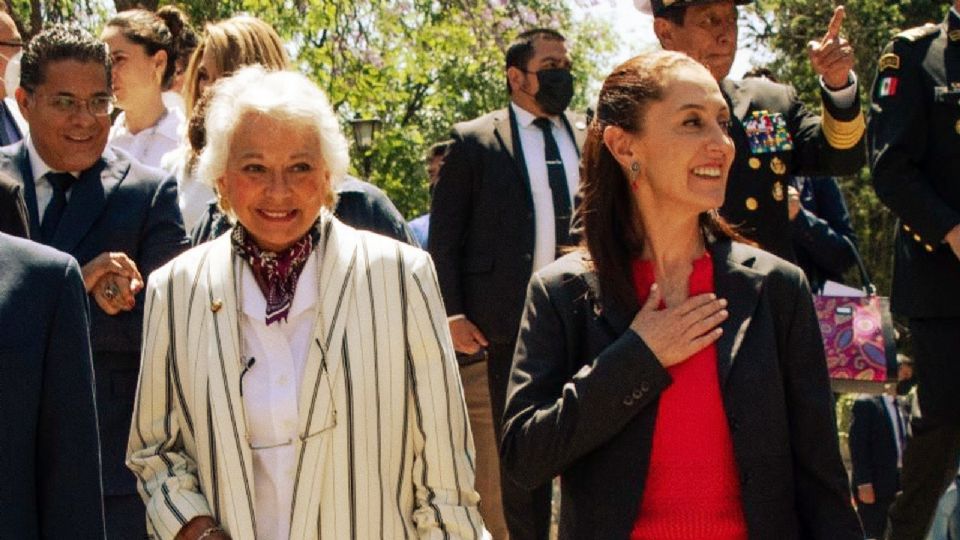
556 90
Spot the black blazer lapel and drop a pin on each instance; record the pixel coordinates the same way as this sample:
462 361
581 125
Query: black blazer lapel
616 315
505 130
88 197
735 280
22 161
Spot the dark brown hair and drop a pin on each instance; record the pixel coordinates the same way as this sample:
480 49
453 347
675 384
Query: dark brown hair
155 32
612 229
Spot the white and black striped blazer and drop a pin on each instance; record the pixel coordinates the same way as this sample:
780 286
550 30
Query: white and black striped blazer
388 455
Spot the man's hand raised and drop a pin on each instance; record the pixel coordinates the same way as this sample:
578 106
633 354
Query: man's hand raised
832 57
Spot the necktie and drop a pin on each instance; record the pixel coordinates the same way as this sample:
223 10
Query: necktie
558 183
60 182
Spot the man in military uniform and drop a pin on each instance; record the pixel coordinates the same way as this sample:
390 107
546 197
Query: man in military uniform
775 135
914 142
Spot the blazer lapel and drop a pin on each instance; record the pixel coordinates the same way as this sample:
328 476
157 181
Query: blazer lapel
735 280
322 374
88 197
225 371
617 315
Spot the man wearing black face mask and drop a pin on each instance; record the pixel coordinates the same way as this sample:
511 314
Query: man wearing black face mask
501 210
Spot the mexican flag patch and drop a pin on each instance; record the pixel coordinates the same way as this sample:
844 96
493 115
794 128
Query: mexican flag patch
888 86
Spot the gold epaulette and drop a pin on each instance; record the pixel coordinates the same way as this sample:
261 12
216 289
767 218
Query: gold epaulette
842 134
919 32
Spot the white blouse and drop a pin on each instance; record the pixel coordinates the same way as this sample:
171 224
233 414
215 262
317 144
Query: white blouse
270 390
149 145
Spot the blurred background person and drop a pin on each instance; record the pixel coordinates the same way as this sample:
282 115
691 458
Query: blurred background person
50 469
878 436
118 218
143 51
224 47
12 124
665 368
823 238
421 225
299 380
187 41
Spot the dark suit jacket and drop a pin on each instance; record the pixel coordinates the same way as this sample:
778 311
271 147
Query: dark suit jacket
132 209
821 231
482 223
49 454
584 392
13 212
873 447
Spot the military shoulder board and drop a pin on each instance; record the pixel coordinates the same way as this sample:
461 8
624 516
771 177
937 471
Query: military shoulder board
919 32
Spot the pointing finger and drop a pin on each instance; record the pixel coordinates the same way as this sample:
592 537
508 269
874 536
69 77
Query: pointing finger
836 22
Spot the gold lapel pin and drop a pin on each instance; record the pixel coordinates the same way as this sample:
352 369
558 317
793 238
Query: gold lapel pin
216 305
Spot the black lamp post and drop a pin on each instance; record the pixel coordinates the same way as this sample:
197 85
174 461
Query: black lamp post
364 131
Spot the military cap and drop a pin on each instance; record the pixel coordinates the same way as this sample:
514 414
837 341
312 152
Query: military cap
659 7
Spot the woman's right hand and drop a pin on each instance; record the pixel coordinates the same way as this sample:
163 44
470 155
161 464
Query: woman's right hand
677 333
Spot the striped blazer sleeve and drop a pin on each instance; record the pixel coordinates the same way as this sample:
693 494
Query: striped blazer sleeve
443 468
166 474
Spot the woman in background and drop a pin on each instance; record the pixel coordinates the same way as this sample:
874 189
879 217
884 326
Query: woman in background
225 47
665 368
143 52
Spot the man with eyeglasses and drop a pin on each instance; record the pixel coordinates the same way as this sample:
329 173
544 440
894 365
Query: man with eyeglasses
501 210
12 124
775 135
119 219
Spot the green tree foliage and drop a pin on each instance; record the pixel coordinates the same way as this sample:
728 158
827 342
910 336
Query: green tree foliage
418 65
785 27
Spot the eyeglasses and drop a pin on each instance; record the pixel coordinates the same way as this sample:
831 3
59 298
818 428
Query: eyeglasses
11 43
64 104
328 425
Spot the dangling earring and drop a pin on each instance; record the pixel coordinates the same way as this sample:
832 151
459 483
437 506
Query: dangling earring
634 174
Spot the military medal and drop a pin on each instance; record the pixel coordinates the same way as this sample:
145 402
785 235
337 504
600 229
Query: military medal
751 203
777 191
755 162
767 133
777 166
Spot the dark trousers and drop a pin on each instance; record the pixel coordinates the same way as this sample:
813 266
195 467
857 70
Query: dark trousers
874 516
931 455
126 517
527 512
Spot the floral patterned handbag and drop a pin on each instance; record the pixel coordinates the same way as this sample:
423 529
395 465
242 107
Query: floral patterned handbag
858 338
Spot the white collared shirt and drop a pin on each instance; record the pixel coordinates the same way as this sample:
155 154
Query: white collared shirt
531 140
149 145
899 426
271 391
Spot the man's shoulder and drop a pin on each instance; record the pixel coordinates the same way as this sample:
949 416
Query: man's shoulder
766 94
919 34
482 123
31 257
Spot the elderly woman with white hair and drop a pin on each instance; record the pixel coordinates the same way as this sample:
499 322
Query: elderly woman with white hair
298 379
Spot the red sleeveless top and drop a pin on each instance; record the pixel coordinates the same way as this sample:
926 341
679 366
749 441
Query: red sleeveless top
692 488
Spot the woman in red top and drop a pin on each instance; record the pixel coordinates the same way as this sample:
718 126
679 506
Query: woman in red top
671 375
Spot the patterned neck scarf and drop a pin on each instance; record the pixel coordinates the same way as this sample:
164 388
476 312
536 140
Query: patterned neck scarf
275 273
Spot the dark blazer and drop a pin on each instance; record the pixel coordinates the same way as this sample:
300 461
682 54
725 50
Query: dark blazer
756 198
482 223
49 454
873 447
584 393
119 205
823 238
13 212
914 140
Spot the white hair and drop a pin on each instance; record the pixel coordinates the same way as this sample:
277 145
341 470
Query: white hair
280 94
